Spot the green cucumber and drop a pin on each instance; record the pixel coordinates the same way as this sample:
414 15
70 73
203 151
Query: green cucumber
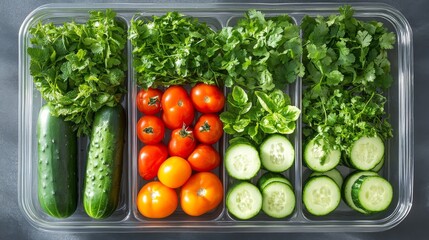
104 163
57 165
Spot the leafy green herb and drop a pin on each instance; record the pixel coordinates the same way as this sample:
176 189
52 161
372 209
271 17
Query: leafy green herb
79 68
347 72
261 53
255 116
173 49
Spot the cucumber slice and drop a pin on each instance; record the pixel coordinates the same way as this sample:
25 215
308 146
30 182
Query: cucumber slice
244 200
334 174
321 195
270 177
347 188
366 153
278 200
242 161
277 153
378 167
372 193
318 160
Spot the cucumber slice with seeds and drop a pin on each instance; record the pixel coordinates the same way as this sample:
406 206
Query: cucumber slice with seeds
366 153
372 193
278 200
277 153
242 161
321 195
347 188
244 200
318 160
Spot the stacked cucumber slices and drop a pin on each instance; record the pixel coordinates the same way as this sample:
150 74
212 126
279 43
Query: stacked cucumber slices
273 193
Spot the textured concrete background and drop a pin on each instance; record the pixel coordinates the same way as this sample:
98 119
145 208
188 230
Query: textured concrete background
14 226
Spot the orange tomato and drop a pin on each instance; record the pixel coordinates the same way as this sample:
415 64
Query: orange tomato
156 200
202 193
174 172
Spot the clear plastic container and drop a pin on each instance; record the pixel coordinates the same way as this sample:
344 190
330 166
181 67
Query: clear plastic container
400 153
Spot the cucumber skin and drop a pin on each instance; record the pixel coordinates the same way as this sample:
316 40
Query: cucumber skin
57 165
104 163
355 193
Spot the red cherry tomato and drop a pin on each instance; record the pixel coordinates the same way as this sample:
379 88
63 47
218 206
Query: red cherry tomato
182 142
207 98
149 101
150 129
177 108
150 158
204 158
208 129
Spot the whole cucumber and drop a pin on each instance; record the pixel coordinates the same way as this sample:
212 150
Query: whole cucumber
104 162
57 165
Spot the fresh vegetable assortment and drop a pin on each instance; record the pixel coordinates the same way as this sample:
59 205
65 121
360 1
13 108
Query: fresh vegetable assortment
182 67
79 70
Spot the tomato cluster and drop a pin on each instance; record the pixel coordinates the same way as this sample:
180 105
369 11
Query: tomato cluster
186 149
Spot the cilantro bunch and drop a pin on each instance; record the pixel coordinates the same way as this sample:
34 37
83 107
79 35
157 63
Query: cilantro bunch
79 68
347 74
173 49
261 53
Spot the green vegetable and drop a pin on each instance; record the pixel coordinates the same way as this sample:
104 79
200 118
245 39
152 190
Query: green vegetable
255 116
79 68
347 72
104 164
57 165
173 49
261 53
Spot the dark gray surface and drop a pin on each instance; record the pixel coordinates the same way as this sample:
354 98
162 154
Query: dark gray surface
14 226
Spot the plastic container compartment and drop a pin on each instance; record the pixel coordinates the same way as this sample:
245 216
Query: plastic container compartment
399 162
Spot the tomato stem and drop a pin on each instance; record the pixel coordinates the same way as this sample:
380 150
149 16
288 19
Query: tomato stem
205 127
153 100
148 130
184 132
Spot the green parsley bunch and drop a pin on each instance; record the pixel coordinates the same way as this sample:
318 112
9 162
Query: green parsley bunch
79 68
347 74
